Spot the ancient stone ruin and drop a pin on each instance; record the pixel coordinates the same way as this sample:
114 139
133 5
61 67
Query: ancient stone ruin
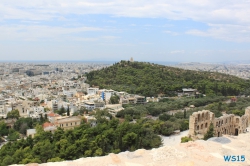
228 124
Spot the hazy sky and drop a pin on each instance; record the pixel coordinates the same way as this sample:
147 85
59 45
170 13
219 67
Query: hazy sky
147 30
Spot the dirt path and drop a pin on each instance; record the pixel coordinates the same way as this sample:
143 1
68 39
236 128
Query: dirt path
174 139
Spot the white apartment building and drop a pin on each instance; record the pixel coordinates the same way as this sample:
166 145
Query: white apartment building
92 91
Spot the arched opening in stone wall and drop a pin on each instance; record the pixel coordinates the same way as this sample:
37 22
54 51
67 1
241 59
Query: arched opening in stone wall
225 131
219 123
218 134
205 125
199 118
198 128
236 132
226 121
201 126
222 122
207 116
202 116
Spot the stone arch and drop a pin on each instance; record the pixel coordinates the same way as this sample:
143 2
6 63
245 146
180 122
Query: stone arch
199 118
197 127
202 116
207 116
205 125
226 121
219 123
201 126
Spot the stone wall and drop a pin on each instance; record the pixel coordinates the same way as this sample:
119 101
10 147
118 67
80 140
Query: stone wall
227 124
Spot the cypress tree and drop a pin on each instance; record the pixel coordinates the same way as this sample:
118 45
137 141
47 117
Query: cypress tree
68 111
185 114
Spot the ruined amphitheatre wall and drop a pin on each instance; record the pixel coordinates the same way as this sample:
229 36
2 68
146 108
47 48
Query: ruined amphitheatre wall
227 124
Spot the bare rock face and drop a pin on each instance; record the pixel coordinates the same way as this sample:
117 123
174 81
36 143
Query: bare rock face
204 153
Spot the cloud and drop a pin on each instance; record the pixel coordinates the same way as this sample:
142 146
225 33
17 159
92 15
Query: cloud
226 19
171 33
199 10
132 25
37 32
177 52
110 37
226 32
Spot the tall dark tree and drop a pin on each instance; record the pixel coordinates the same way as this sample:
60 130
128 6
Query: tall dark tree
68 114
185 114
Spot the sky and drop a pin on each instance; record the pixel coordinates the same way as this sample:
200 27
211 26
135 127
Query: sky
106 30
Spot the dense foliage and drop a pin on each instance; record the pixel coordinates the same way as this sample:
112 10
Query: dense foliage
114 99
14 114
83 141
151 79
166 105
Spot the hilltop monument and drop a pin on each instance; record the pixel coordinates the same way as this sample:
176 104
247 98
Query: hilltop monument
131 59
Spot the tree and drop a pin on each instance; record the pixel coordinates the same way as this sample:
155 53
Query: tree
68 114
61 111
210 132
114 99
42 120
43 150
129 140
7 160
56 159
14 114
164 117
185 114
3 129
13 135
238 112
46 117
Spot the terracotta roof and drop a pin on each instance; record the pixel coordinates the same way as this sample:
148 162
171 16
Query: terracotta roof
52 114
47 124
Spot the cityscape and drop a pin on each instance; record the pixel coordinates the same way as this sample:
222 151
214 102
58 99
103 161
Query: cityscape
124 83
239 69
57 96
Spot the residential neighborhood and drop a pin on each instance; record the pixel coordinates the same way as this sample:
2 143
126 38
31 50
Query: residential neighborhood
57 92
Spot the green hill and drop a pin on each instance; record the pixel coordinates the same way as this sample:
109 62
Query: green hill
152 79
